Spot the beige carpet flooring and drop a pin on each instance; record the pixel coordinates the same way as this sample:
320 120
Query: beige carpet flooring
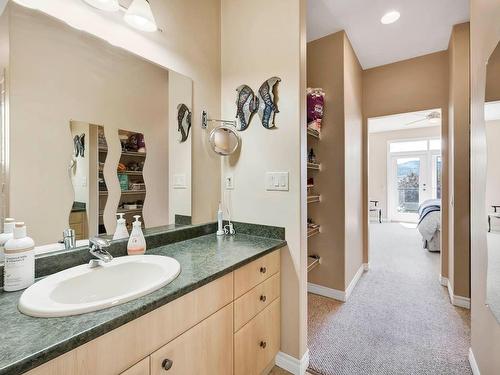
397 321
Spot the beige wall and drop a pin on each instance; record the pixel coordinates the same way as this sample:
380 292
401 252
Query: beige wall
459 173
377 161
333 66
485 35
493 71
189 45
325 69
412 85
271 46
78 77
493 171
180 91
353 106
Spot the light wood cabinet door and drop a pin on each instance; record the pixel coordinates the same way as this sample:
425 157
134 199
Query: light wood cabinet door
141 368
205 349
256 300
258 342
246 277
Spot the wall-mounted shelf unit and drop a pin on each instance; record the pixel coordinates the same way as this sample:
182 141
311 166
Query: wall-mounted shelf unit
313 198
313 261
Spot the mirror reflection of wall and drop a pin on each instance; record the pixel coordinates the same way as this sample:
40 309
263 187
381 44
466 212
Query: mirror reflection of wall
59 76
492 117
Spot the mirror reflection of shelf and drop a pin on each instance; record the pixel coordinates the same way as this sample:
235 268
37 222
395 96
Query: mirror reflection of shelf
313 133
313 261
313 198
314 166
313 231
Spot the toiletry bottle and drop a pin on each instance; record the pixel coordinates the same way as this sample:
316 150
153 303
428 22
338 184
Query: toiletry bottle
19 271
136 243
121 228
220 229
8 233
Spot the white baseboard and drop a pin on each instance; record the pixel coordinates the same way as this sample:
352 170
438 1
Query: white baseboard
473 363
443 281
458 300
353 282
339 295
326 292
292 364
366 266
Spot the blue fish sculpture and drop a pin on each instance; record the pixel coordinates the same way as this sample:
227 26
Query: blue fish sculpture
265 103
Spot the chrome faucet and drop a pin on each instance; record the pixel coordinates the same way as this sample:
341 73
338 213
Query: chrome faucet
97 249
69 239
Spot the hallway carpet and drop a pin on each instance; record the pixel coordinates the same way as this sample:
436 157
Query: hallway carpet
398 320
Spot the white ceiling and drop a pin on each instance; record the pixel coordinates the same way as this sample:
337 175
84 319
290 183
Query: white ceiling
400 122
424 26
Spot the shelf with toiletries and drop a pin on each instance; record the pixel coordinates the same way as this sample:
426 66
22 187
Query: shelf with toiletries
315 106
130 174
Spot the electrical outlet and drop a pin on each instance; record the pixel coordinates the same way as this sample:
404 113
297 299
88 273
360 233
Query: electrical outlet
229 182
277 181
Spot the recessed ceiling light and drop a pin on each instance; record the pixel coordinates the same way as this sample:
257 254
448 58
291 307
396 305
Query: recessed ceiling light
106 5
390 17
140 16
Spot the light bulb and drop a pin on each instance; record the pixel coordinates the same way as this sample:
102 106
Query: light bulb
140 16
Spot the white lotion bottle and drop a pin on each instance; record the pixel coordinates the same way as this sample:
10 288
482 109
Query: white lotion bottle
121 228
136 243
8 233
19 271
220 229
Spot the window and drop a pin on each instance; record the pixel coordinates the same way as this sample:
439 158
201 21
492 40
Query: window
408 146
412 146
434 144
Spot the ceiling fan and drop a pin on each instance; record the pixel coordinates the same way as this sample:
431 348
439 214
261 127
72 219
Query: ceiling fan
433 117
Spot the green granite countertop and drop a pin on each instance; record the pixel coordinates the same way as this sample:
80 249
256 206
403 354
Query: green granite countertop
27 342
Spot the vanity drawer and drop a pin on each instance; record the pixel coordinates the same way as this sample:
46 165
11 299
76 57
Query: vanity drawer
141 368
257 299
256 272
258 342
204 349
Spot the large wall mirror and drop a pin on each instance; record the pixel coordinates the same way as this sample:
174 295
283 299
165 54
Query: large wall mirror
88 131
492 117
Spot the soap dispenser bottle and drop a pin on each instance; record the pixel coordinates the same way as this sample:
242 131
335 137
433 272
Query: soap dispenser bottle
8 233
121 228
19 271
136 243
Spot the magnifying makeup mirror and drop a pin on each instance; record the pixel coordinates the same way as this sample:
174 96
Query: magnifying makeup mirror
224 140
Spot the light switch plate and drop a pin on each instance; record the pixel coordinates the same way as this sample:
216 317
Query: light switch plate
179 181
229 182
277 181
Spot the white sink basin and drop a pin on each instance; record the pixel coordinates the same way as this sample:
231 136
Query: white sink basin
83 289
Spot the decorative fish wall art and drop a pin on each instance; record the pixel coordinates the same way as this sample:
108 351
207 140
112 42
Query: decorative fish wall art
265 103
184 121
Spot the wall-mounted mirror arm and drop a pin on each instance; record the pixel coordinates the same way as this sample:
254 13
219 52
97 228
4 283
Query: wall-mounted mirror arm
205 120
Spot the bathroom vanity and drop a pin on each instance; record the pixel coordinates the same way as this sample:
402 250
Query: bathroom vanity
221 315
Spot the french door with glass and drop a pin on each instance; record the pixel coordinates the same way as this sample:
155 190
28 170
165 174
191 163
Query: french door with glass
412 179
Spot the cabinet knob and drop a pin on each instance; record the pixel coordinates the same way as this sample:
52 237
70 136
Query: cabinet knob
263 344
263 298
167 364
263 269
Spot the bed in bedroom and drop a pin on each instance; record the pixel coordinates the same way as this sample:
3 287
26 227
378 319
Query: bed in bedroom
429 224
